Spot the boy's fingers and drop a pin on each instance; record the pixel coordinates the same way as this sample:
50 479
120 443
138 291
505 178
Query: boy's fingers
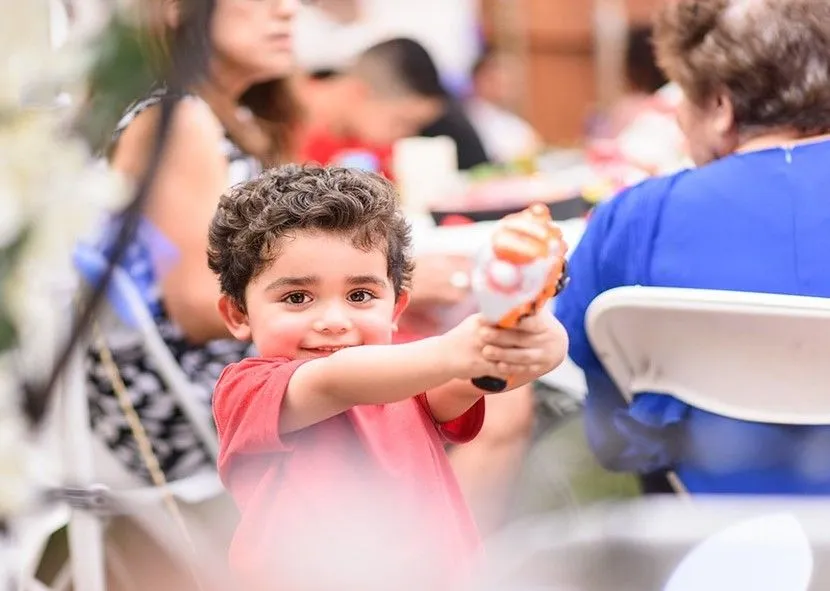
512 356
537 323
505 370
509 337
498 336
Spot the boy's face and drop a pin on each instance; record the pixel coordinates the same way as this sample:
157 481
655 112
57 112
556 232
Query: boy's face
381 120
319 295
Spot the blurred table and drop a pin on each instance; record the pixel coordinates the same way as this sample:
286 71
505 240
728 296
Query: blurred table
468 239
753 543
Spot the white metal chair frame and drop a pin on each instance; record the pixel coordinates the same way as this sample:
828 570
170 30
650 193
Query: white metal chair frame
90 502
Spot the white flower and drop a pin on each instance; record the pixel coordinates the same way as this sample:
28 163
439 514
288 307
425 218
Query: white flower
16 460
52 191
11 212
59 194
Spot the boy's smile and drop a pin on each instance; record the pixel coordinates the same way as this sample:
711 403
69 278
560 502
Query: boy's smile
319 295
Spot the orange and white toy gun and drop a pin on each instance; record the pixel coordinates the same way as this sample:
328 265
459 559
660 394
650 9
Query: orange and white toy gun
522 267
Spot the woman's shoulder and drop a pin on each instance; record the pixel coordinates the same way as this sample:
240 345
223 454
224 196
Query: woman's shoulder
642 199
754 168
136 108
192 117
194 132
195 118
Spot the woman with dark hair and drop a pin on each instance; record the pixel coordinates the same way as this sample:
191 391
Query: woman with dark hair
754 216
235 113
642 73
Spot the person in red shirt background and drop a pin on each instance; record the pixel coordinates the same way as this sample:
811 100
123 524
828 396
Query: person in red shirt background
331 442
390 92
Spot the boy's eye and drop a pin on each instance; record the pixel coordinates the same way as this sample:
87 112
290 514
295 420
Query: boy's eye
360 296
295 298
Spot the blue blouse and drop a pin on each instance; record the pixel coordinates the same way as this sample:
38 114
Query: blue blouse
757 221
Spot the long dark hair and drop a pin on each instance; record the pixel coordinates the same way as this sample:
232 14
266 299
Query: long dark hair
181 55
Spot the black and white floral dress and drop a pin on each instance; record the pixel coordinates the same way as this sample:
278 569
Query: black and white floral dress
174 441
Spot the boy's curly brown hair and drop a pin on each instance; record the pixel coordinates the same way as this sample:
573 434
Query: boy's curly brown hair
254 216
772 58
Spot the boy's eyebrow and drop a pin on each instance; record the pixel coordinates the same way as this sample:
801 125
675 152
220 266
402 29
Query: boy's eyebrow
307 280
366 279
303 281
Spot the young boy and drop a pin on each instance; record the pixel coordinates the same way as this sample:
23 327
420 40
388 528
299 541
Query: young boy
391 91
331 443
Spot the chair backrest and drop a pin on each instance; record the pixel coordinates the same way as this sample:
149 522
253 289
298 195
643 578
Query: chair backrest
750 356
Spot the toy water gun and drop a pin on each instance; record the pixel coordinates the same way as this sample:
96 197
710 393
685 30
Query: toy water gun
521 268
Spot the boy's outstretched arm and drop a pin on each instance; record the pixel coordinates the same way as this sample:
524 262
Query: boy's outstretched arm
379 374
538 345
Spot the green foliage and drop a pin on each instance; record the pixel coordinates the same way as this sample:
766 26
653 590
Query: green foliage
121 72
9 255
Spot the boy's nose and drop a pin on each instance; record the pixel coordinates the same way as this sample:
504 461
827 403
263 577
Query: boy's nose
334 320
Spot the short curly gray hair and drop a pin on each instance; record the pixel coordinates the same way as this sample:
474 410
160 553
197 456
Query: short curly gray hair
772 57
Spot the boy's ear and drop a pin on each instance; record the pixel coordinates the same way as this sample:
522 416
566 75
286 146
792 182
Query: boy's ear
400 306
235 319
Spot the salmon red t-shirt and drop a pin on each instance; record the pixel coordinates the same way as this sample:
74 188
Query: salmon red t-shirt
366 490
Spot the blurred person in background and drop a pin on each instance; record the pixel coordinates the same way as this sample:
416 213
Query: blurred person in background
236 114
454 123
492 108
391 91
643 78
753 216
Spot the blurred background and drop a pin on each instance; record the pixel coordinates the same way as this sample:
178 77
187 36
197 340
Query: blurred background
122 123
567 59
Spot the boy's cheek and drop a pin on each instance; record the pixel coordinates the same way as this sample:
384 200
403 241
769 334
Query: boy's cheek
280 339
377 332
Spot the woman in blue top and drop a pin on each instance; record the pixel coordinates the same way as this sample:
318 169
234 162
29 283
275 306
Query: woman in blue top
754 216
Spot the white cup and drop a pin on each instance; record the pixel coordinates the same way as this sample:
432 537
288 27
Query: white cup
426 170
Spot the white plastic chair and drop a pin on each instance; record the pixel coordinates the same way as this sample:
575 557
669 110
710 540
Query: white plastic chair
749 356
201 498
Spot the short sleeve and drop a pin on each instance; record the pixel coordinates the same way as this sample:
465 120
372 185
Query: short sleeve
246 407
462 429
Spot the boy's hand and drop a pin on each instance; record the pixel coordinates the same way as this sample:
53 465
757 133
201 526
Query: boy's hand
535 347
